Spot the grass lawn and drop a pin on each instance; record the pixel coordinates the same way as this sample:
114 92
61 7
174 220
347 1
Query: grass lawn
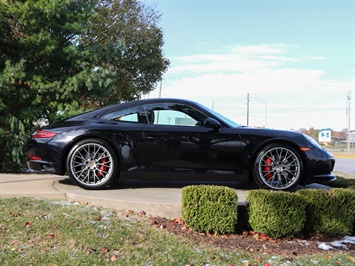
46 232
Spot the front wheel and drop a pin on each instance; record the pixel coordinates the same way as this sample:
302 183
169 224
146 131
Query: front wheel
278 167
92 164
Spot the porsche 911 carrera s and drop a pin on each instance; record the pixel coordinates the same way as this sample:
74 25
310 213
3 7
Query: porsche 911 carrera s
174 139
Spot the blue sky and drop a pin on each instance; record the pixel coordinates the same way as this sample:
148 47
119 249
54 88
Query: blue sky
296 59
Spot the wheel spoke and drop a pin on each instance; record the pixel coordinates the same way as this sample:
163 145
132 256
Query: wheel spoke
80 172
86 176
279 180
80 156
267 174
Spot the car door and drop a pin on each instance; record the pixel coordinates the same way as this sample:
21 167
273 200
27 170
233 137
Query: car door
178 144
126 127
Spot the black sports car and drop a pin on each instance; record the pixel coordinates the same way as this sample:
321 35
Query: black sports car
174 139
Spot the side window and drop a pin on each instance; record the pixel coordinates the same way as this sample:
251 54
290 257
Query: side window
128 118
134 115
173 117
174 114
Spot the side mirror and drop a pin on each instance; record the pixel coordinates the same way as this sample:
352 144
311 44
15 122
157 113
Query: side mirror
212 123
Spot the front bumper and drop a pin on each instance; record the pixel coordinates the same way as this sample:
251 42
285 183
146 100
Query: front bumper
320 166
322 178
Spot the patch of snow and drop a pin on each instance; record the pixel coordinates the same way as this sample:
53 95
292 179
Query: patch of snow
338 243
325 246
349 239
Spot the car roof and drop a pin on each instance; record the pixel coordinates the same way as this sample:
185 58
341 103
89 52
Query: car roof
123 105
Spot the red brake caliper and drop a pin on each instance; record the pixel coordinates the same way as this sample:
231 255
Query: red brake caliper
267 168
103 167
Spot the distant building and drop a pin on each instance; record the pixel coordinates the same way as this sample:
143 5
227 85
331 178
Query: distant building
352 136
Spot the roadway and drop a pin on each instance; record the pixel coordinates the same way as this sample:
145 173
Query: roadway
344 165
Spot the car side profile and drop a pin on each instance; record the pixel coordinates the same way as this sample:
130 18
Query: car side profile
174 139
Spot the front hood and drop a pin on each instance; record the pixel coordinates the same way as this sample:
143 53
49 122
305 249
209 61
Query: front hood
273 132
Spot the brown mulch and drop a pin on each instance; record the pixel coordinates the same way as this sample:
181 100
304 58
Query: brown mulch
252 242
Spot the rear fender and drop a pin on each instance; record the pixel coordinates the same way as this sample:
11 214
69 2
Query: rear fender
111 141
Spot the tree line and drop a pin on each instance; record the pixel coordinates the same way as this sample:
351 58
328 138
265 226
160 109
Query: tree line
62 57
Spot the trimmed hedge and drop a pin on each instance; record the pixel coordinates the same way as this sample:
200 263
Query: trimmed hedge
214 209
330 212
210 209
276 213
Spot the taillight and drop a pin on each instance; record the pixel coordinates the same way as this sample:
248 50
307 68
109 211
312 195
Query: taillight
34 158
41 134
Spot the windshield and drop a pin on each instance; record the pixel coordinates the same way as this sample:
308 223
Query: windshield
225 119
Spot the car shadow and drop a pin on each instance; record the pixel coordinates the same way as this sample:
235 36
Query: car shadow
139 184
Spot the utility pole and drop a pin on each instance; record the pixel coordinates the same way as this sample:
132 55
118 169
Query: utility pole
248 99
348 114
160 88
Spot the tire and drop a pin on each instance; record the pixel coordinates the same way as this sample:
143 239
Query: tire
278 166
92 164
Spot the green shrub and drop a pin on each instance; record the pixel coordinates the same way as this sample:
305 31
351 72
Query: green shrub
276 213
330 211
210 208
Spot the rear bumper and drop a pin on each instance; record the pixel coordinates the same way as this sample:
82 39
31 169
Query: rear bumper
43 157
41 166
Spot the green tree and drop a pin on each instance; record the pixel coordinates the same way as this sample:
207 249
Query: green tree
61 57
125 35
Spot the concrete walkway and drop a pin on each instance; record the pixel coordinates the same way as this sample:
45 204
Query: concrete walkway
30 185
154 198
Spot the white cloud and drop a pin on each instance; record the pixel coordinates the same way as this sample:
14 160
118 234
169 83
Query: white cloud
294 97
234 84
257 49
234 59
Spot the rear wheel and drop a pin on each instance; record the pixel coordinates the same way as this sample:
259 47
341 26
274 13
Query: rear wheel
92 164
278 167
